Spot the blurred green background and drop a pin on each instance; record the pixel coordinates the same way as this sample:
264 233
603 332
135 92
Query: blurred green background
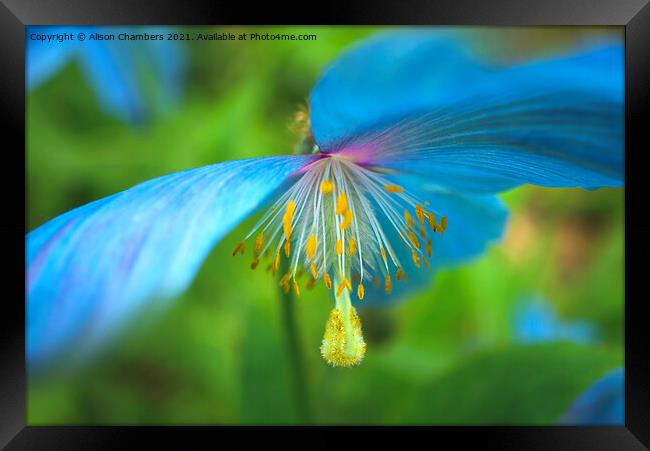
451 354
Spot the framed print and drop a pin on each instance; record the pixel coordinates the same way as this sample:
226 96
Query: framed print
388 216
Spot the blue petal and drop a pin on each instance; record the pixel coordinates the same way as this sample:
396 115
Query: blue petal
168 60
121 71
602 403
44 59
111 69
386 78
127 76
536 321
91 269
480 129
473 223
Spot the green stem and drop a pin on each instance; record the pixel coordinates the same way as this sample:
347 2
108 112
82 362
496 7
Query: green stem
296 362
292 335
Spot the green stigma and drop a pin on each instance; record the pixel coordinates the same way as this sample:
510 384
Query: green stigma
343 343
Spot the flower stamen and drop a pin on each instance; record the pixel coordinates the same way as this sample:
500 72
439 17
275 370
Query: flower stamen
310 247
326 187
345 219
239 248
394 189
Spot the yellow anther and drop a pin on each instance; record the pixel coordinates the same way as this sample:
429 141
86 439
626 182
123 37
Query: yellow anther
288 218
423 232
432 222
255 262
426 263
340 288
388 286
352 246
339 246
347 219
291 207
314 271
327 280
414 240
347 283
326 186
310 247
287 248
409 219
259 242
394 189
443 222
239 249
341 204
296 288
428 247
416 259
286 227
382 251
399 274
361 292
284 280
276 263
419 212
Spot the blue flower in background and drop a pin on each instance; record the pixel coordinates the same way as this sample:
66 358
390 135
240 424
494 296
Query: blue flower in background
601 404
130 77
536 321
411 137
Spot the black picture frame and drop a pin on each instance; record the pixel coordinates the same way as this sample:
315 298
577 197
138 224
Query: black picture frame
633 15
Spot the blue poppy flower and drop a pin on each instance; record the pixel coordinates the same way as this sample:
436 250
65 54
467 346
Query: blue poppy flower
411 136
537 321
603 403
119 71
